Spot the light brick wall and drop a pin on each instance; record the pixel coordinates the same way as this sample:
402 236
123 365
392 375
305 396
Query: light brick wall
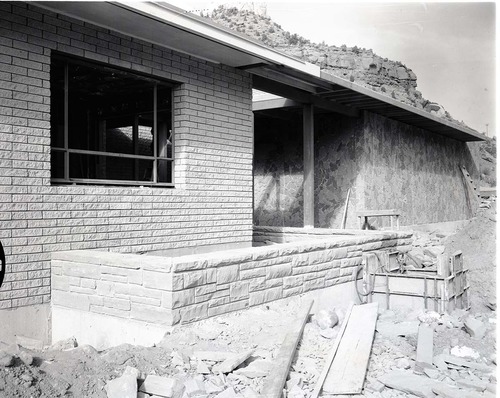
183 289
211 203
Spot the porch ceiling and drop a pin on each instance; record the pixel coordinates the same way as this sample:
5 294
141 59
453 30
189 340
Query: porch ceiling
273 71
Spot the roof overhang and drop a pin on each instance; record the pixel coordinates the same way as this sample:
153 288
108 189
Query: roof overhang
275 72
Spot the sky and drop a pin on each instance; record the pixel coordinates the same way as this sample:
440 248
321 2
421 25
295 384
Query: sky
450 46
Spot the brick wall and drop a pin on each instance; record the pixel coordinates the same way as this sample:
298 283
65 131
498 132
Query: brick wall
211 203
183 289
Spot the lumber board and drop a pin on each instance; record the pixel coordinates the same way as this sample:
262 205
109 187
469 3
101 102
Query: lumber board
274 383
331 355
348 370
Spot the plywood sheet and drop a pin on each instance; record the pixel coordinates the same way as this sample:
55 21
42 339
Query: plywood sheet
348 370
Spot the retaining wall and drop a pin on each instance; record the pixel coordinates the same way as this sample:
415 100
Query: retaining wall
166 291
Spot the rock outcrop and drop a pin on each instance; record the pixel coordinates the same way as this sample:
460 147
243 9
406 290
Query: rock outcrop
358 65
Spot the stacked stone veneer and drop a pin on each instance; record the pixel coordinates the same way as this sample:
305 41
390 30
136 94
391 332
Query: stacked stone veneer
183 289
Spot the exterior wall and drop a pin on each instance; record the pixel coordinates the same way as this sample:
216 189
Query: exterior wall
414 171
165 291
385 163
211 204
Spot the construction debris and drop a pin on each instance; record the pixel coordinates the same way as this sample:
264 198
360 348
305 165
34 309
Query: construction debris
410 383
274 383
124 386
425 346
232 362
347 371
326 319
6 359
163 386
474 327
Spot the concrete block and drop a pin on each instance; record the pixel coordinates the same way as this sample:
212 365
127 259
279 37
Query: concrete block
182 298
136 290
265 296
252 273
156 315
238 291
226 308
88 283
211 275
162 386
194 387
232 362
227 274
114 312
257 284
119 304
293 291
314 284
350 262
71 300
200 291
475 328
82 270
193 313
274 283
293 281
194 278
300 260
279 271
215 302
179 264
105 288
160 280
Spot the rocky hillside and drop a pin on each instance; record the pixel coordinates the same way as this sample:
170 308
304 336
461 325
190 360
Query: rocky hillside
355 64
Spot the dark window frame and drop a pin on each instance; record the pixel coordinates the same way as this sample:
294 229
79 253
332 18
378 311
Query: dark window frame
155 157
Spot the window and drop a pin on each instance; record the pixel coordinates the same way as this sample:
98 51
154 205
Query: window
109 126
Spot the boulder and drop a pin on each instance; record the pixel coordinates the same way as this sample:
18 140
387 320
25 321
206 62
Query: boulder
162 386
326 319
475 328
63 345
124 386
6 359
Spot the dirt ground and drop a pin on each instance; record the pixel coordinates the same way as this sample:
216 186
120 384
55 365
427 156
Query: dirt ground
83 372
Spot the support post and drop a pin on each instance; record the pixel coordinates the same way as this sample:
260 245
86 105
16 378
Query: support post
308 129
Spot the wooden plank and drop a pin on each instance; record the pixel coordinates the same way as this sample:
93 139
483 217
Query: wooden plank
308 126
344 217
331 355
348 370
378 213
275 103
273 385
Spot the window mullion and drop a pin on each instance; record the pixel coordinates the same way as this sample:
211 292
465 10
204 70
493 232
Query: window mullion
155 134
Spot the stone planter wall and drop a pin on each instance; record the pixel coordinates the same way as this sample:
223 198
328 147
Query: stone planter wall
166 291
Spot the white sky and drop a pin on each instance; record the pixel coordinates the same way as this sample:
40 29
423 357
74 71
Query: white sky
450 46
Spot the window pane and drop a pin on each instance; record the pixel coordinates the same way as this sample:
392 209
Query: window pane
165 171
57 164
109 168
111 111
57 104
165 139
104 108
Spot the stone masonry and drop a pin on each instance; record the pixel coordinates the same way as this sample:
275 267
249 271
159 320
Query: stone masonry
169 290
210 206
